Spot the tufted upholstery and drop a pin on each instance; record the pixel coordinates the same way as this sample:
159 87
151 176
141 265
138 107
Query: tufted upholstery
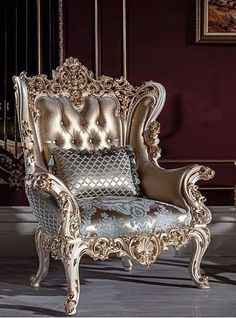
95 126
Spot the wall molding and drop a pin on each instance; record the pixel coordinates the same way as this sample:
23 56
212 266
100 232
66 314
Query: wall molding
17 226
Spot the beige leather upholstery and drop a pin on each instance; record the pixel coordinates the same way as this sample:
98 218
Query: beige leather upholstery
94 127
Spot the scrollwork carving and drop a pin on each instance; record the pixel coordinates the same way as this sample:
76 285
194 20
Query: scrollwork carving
77 82
152 141
70 215
27 142
51 244
70 303
177 238
25 129
145 249
201 214
39 181
101 247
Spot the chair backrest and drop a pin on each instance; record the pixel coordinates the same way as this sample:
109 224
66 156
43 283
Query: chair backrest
74 110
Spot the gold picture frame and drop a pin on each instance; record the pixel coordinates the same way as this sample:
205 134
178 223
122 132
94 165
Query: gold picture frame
215 21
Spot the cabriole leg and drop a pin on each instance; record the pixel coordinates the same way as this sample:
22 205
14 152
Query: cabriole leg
127 263
43 258
201 237
71 260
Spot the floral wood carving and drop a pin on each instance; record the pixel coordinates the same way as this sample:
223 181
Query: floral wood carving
40 181
145 249
70 303
76 81
27 142
201 214
152 141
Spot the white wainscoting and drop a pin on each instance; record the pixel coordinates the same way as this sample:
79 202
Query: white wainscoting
17 225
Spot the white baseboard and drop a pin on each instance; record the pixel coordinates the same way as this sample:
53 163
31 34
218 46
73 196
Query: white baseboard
17 226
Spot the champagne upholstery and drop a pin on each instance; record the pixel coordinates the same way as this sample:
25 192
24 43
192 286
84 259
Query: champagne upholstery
94 127
75 111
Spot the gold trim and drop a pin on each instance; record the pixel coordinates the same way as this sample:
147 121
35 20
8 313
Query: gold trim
151 138
195 200
70 303
143 248
27 142
77 82
202 36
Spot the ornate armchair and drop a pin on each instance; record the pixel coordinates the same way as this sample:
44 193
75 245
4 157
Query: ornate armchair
73 110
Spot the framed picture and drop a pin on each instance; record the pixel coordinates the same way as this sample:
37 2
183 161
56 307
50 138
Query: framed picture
215 21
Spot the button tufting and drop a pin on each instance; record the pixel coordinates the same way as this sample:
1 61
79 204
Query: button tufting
54 141
90 140
109 140
73 141
98 122
62 124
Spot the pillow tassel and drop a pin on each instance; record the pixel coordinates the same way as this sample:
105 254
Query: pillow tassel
51 164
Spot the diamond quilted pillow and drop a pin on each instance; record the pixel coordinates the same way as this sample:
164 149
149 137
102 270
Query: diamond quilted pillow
110 171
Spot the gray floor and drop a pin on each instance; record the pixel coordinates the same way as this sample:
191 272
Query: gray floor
164 289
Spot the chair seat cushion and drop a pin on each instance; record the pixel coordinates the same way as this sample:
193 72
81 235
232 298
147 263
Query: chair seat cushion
123 215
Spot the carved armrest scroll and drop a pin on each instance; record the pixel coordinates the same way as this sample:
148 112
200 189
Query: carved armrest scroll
195 200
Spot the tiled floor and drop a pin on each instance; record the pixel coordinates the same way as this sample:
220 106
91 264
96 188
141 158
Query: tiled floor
164 289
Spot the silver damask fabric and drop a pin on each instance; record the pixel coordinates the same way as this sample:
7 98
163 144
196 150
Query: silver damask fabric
97 173
111 216
116 216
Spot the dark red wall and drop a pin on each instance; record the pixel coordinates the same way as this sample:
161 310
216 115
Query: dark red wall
198 120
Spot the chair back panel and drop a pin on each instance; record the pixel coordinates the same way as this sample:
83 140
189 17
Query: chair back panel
95 126
74 110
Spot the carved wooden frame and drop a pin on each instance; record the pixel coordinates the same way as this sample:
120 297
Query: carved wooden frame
73 79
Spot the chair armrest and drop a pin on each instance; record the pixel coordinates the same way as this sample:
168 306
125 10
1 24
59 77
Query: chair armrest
177 186
42 180
193 197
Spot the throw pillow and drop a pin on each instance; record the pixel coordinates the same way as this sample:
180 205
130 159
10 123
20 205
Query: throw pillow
110 171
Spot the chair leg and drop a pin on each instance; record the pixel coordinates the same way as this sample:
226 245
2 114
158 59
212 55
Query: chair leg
201 237
71 265
43 258
127 263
